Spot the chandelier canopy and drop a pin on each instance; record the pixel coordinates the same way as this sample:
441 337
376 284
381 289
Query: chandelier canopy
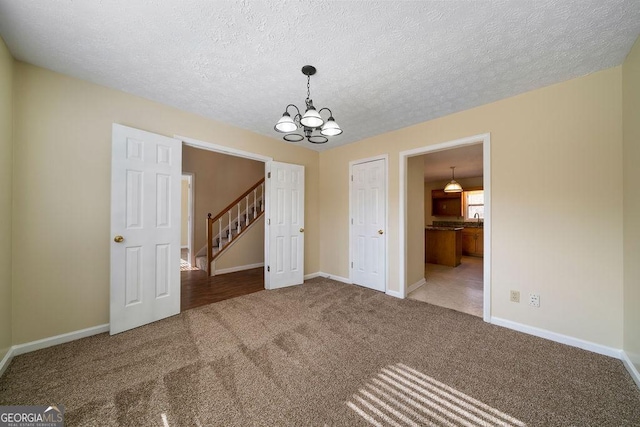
311 121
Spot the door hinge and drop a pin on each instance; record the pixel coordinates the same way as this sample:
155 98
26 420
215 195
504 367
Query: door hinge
351 177
268 268
351 221
269 175
268 221
352 265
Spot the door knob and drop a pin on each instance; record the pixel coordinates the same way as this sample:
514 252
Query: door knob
380 232
302 230
118 239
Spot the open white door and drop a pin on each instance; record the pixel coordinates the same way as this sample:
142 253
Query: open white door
284 227
368 218
145 228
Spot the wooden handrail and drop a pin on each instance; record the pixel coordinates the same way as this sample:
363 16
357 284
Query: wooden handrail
236 201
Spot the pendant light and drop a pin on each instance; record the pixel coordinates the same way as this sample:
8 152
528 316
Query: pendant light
453 186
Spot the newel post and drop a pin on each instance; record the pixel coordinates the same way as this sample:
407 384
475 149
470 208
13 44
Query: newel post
209 243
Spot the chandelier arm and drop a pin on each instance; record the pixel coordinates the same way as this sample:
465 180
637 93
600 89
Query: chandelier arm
325 108
292 105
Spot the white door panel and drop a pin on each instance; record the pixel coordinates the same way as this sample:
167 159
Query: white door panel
284 230
368 213
145 211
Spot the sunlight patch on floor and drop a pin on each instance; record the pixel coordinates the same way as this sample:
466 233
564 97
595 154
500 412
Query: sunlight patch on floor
402 396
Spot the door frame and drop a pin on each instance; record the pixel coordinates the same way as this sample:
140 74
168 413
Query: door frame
352 163
223 149
190 177
485 140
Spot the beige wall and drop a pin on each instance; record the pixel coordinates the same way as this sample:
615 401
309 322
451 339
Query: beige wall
62 158
218 180
6 154
559 235
439 185
631 151
248 250
415 220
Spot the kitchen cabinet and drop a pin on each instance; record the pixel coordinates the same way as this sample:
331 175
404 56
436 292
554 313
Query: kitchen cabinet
446 204
443 246
473 241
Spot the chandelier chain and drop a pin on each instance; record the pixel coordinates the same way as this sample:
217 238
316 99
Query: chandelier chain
308 87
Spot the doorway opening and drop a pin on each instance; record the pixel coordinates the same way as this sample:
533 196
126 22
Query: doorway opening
217 178
445 238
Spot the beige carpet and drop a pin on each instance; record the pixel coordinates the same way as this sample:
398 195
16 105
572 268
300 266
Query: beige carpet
323 353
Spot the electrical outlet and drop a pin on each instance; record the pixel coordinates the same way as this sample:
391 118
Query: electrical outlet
514 296
534 300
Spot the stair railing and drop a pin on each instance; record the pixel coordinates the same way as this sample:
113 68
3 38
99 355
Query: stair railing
252 212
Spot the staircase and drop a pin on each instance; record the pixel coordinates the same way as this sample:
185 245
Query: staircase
228 226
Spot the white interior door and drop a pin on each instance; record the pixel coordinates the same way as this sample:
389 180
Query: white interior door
368 222
145 227
284 228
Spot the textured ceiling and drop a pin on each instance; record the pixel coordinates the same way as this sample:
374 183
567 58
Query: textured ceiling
381 65
467 160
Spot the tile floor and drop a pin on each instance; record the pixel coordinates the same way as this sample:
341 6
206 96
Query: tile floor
458 288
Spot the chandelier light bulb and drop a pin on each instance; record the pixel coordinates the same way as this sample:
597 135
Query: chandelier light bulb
331 128
311 118
286 124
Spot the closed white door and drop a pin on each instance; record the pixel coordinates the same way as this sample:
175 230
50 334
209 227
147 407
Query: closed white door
145 228
284 228
368 219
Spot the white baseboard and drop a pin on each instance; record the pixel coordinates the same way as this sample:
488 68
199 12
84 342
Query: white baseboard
59 339
19 349
4 363
633 371
238 268
312 275
562 339
395 294
336 278
328 276
416 285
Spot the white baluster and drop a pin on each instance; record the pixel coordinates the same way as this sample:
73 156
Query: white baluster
246 212
230 234
220 234
239 227
262 205
255 202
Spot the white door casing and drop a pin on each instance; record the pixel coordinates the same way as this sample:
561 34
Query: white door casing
284 226
145 212
368 194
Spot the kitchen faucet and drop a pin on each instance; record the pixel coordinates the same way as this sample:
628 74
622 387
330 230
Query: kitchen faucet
477 215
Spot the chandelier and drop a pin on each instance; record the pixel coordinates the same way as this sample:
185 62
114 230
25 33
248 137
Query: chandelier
308 123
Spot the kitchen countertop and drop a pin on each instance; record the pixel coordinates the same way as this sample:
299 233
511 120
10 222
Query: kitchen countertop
431 227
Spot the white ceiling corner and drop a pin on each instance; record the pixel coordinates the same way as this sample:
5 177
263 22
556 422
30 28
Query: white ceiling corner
381 65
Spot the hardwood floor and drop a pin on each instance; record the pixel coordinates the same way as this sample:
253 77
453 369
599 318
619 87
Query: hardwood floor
198 289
